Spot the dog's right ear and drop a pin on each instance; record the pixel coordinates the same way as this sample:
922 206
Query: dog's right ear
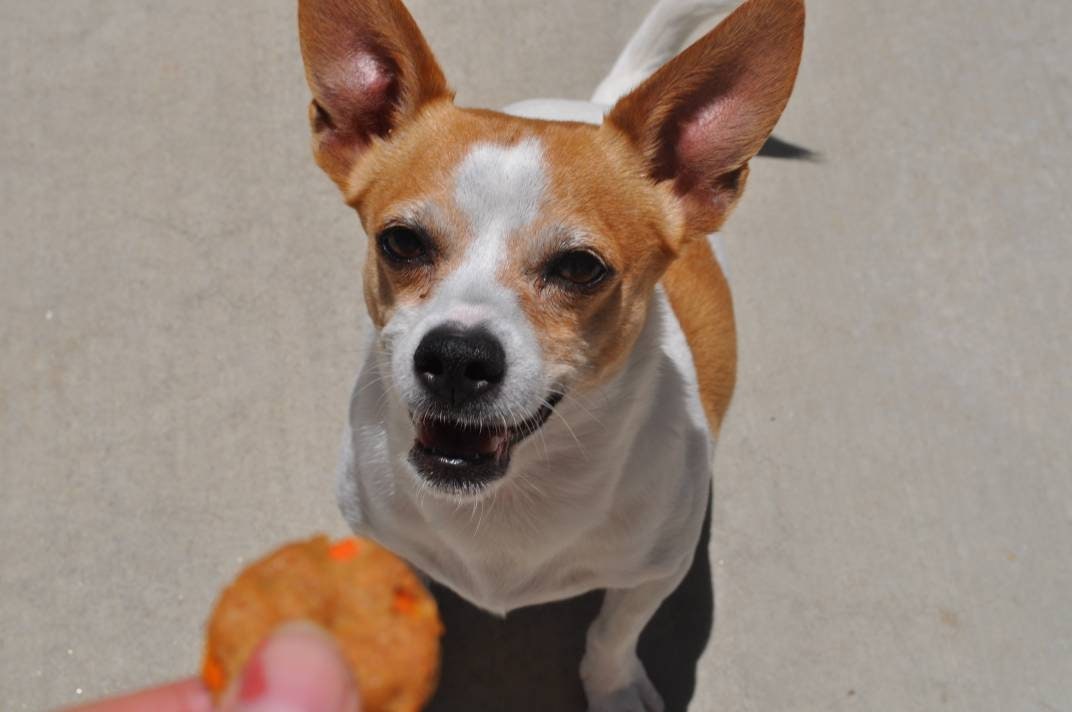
369 69
701 117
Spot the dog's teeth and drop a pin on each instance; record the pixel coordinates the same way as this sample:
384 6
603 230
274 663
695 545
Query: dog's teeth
461 440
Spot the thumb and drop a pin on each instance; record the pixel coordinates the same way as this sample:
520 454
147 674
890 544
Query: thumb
297 669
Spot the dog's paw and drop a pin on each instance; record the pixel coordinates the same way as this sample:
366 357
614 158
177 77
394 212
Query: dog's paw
637 698
637 694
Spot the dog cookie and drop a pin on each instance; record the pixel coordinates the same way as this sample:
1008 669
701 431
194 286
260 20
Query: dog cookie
384 621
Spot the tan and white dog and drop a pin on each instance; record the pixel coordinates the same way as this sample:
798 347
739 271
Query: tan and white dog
551 348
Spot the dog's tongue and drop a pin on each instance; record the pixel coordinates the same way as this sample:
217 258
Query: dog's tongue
460 440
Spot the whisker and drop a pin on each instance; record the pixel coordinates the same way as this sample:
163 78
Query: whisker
580 447
574 400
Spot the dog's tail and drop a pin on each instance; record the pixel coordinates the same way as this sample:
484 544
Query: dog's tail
660 36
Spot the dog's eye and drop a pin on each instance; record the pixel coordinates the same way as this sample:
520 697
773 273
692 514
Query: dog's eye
402 245
579 268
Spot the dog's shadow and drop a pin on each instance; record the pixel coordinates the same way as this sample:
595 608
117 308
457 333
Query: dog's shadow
529 660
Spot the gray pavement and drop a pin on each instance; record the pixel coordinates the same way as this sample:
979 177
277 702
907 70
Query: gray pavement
893 492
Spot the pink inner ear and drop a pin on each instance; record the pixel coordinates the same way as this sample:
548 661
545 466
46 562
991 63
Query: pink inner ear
708 141
358 89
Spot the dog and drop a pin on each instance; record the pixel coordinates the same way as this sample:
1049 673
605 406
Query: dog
551 341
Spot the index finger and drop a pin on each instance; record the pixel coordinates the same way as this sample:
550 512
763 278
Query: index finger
184 696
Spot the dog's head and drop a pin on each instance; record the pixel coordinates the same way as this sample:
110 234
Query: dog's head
511 261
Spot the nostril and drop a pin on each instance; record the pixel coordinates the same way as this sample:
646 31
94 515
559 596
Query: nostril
428 363
483 372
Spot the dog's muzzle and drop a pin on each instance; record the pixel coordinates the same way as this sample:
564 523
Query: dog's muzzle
460 446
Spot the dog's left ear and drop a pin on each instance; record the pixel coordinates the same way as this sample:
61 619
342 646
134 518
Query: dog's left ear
703 115
370 70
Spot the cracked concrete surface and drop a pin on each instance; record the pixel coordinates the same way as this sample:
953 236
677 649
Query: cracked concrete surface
893 492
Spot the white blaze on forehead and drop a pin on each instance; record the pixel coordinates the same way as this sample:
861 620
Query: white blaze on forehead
499 189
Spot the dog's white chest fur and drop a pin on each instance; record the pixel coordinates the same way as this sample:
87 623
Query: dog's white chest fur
610 493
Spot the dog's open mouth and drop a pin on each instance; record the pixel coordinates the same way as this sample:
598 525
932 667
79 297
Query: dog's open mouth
464 458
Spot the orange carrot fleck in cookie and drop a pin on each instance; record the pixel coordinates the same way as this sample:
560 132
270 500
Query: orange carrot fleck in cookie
212 675
344 549
405 602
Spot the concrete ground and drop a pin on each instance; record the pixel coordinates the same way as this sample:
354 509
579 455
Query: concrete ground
893 492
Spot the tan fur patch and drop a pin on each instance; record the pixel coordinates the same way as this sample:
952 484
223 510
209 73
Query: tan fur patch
700 296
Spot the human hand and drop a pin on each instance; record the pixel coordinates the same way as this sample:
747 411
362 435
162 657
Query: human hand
297 669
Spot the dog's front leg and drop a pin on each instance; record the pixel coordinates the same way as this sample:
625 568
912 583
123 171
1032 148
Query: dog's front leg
613 676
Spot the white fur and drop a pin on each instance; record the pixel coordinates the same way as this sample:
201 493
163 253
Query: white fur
718 246
499 190
586 112
611 492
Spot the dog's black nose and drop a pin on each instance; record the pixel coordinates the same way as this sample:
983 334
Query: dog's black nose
458 365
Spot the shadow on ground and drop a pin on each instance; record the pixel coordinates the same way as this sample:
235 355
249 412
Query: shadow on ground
528 661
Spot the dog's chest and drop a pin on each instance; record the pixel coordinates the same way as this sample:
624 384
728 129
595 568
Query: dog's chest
507 554
506 576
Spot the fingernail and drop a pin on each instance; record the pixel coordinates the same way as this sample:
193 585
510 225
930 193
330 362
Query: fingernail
297 669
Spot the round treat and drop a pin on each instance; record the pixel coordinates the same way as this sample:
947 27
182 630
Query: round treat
385 622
